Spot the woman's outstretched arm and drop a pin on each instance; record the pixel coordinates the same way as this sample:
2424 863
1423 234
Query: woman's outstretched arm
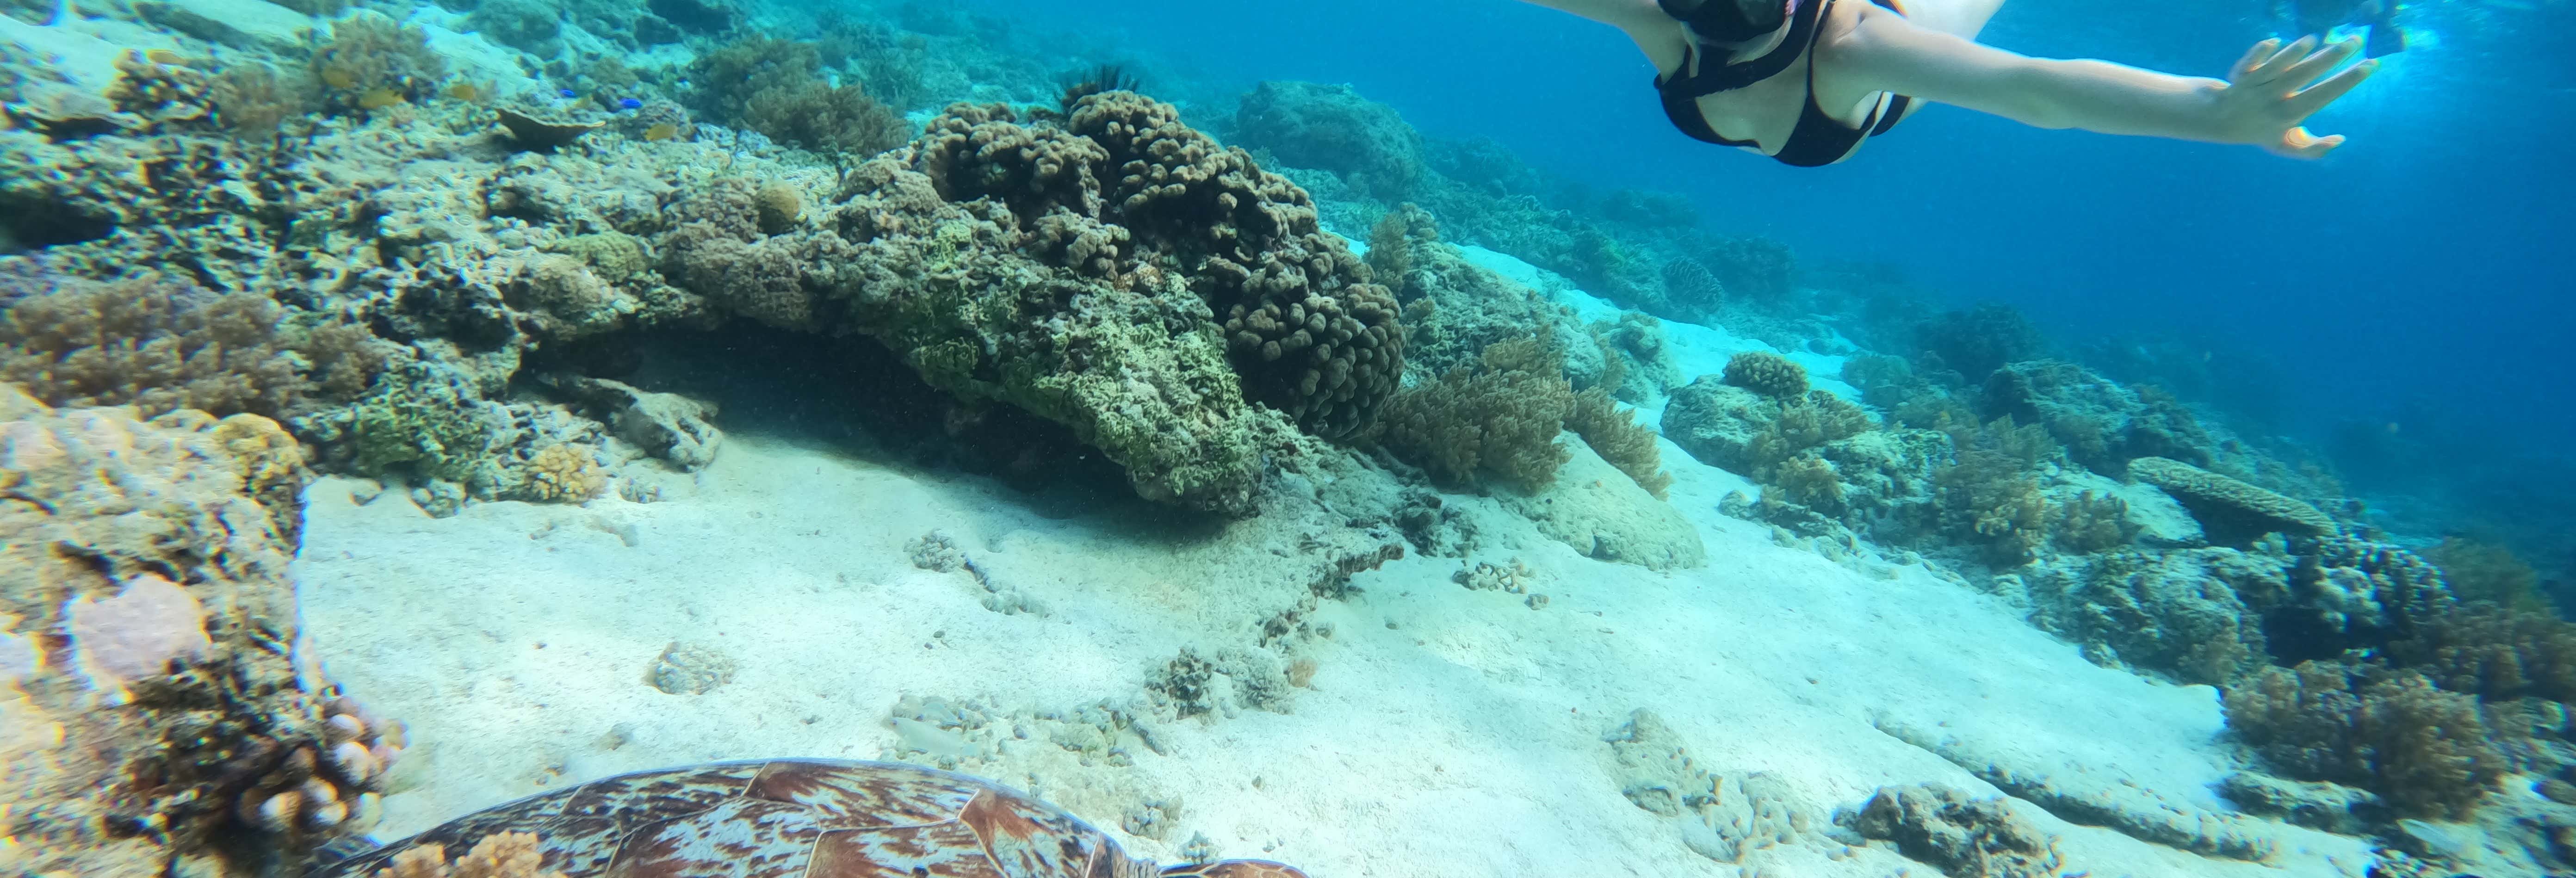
2261 103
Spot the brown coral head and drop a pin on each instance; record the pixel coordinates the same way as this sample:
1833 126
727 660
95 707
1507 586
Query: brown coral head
542 135
1767 373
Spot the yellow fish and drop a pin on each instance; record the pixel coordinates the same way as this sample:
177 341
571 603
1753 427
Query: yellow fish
378 98
163 56
463 91
661 131
338 78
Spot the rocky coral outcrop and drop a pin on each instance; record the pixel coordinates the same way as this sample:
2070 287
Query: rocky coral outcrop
1602 513
1725 816
2102 423
144 594
1118 273
1333 128
1963 837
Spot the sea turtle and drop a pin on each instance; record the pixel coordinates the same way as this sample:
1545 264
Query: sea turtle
800 818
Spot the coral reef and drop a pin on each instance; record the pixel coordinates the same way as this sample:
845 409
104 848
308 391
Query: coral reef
2354 593
373 61
2482 571
1975 342
1499 420
2232 512
1456 309
2391 732
2103 424
1963 837
1756 270
1638 361
2496 653
1767 373
1332 128
149 554
777 87
500 855
2195 614
1619 439
160 344
1118 273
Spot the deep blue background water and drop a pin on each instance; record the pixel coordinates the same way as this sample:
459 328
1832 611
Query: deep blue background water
2417 268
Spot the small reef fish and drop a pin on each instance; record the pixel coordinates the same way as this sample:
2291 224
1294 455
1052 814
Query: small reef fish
379 98
163 56
630 103
464 91
661 131
338 78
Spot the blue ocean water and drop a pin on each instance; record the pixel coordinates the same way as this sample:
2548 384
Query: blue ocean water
2408 286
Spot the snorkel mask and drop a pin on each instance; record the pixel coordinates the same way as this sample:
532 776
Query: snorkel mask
1730 22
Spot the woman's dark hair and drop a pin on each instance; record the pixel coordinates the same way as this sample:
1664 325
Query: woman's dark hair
1728 21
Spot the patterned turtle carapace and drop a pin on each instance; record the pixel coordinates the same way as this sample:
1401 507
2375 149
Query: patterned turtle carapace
802 818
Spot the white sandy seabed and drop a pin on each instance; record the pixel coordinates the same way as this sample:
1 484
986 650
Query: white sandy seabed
1447 731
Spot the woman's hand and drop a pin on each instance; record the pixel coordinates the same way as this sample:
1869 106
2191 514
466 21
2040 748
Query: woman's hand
2268 95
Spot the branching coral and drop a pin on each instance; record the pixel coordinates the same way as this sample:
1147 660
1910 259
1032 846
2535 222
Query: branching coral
777 87
2481 571
1499 419
372 58
2493 652
160 344
1987 498
2390 732
1766 373
1618 438
2093 523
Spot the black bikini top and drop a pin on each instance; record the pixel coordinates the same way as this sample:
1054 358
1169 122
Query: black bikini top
1818 139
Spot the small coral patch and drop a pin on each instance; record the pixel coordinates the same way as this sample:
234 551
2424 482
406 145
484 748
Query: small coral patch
565 474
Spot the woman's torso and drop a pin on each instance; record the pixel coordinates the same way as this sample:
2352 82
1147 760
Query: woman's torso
1767 112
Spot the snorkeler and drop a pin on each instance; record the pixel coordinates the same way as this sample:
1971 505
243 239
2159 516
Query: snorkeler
1805 81
2320 16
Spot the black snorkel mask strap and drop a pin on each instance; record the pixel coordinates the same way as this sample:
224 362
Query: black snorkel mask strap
1717 77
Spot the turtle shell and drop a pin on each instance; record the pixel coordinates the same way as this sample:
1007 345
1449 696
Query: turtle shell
801 818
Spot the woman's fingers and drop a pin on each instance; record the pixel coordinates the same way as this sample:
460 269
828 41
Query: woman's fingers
2316 65
2253 57
2272 67
2307 103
